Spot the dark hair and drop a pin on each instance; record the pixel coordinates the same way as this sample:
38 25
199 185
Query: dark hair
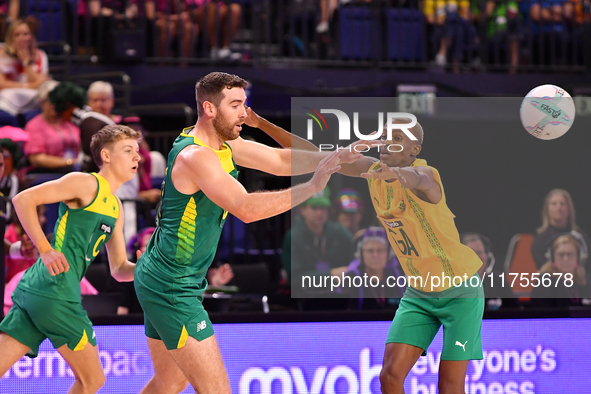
211 88
65 95
109 135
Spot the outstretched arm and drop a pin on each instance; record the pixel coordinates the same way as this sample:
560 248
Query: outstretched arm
417 179
121 268
288 140
202 166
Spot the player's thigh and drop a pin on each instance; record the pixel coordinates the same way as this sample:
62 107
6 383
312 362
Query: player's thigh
166 371
462 323
12 351
63 322
86 365
414 323
201 362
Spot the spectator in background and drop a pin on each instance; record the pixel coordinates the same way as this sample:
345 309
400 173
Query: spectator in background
452 29
558 216
16 261
68 99
54 143
226 18
327 9
11 157
570 288
349 209
502 29
314 245
496 296
375 258
101 99
173 21
23 68
9 11
216 276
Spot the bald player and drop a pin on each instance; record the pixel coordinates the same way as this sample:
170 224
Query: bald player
409 200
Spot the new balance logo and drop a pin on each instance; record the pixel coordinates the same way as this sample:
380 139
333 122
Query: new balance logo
201 326
462 345
93 335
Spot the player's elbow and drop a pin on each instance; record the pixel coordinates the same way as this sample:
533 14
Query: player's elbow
121 275
246 215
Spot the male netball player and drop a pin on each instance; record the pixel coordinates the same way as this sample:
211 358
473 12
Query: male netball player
409 200
47 299
199 190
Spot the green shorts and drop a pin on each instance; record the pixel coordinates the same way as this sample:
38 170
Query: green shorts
460 310
33 318
171 314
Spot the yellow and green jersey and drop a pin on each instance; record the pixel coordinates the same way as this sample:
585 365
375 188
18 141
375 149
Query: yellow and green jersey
188 226
79 234
423 235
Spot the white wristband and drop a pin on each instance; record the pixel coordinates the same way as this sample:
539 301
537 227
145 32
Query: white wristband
15 250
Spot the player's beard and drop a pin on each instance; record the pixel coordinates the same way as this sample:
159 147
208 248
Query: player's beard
223 128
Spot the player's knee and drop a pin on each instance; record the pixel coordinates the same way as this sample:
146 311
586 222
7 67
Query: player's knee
94 382
180 385
391 378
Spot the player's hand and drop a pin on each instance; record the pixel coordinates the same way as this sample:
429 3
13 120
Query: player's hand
55 262
252 119
138 254
352 153
385 173
222 275
327 166
28 250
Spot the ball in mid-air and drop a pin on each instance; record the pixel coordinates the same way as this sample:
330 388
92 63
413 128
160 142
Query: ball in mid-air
547 112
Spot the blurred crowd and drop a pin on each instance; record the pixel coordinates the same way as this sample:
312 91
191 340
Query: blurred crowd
46 127
444 33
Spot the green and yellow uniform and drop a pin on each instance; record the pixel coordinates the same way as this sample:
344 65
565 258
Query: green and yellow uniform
427 244
170 275
48 306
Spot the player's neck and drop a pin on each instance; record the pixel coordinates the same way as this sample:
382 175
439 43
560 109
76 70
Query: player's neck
207 134
111 178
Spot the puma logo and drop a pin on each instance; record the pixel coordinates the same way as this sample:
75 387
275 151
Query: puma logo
462 345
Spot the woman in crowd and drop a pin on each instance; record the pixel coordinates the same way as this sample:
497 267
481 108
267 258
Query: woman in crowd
558 216
23 68
54 142
562 278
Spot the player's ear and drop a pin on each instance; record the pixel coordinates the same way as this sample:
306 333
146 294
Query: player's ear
416 149
105 155
209 109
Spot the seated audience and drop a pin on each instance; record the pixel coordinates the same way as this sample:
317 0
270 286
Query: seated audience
349 209
101 99
566 284
173 21
68 99
54 143
496 295
216 275
558 216
16 261
375 258
23 68
226 17
314 245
